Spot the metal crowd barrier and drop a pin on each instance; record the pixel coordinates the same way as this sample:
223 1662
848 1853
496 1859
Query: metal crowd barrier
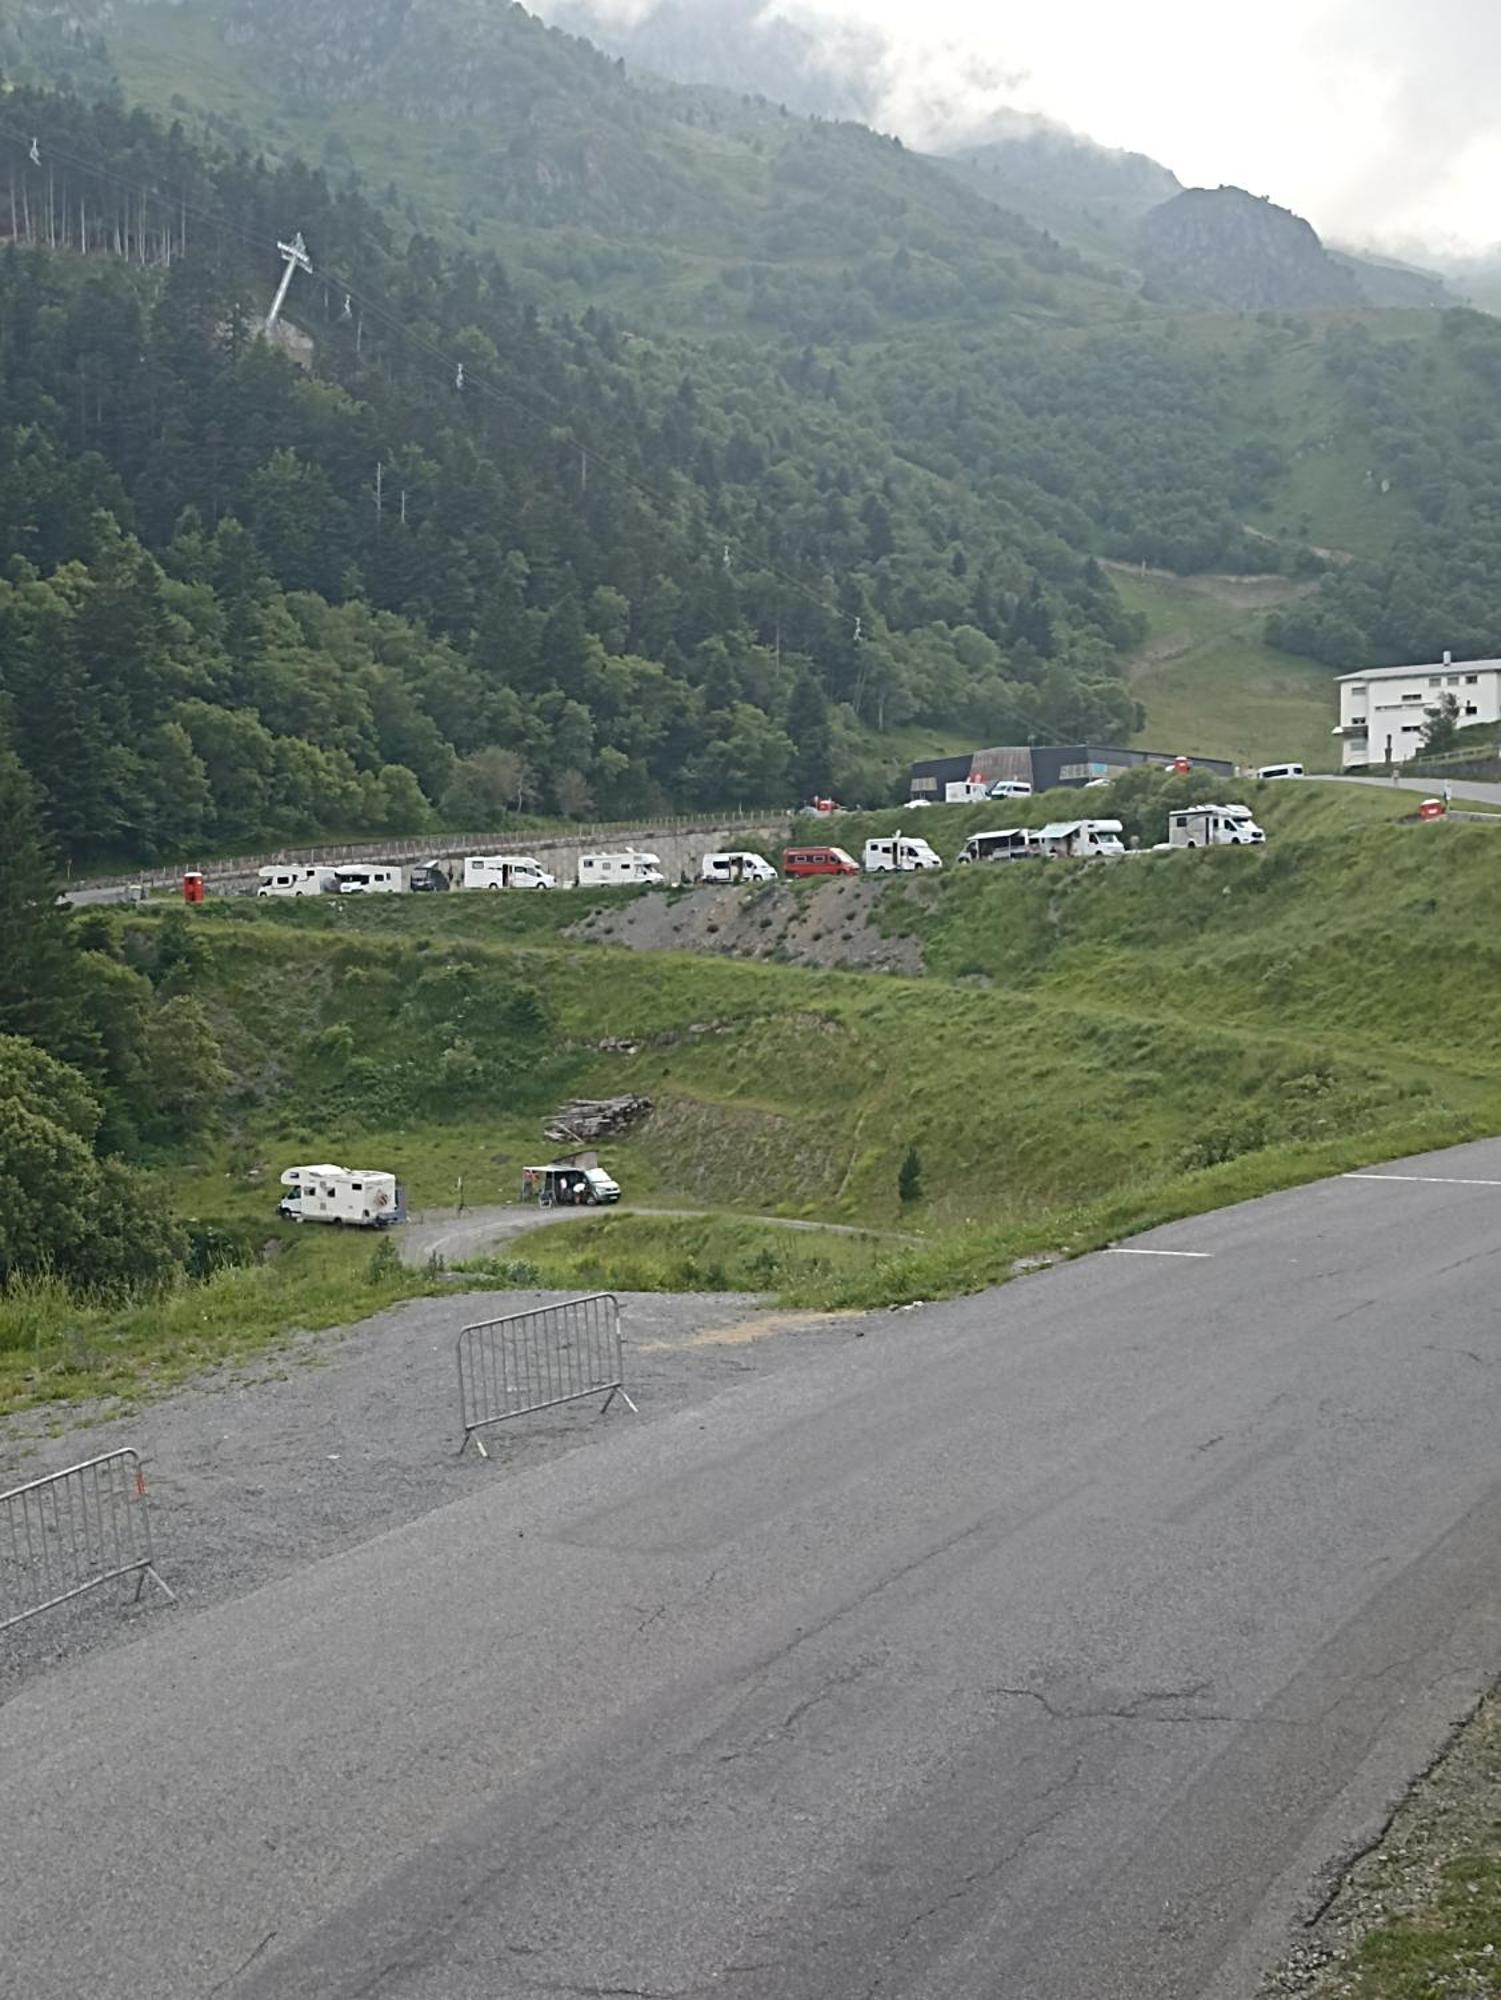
72 1531
531 1361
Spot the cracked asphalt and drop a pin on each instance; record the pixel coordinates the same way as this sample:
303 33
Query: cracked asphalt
1059 1642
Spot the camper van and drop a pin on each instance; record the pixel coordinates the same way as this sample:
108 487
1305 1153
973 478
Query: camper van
297 879
506 871
1082 839
344 1196
1011 788
736 867
365 878
1280 771
1213 826
600 871
1012 843
800 863
902 852
966 792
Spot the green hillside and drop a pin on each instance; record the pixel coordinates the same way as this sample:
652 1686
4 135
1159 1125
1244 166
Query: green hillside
1091 1049
1208 682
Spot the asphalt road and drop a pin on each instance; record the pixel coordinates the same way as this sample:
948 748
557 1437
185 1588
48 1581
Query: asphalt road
1043 1646
1481 790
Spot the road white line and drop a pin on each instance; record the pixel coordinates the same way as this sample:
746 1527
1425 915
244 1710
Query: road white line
1121 1250
1428 1180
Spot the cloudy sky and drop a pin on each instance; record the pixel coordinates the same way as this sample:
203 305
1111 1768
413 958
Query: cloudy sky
1379 119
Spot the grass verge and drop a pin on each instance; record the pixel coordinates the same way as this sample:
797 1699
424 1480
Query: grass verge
1419 1918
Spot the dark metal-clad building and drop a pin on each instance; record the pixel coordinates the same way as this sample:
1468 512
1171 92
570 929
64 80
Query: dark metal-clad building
1044 766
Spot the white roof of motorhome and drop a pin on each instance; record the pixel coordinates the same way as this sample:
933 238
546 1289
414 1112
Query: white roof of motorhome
1056 829
1431 667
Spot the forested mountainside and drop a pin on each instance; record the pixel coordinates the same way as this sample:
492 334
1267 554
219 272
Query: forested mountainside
670 450
244 597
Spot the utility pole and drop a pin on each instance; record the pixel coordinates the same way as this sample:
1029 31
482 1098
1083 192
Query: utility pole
298 259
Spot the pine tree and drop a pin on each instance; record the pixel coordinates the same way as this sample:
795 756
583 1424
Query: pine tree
33 945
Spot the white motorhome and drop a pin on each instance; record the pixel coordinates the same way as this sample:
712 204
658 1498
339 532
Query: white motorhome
1011 843
1083 839
297 879
370 878
506 871
902 852
736 867
1280 771
1213 826
966 792
600 871
344 1196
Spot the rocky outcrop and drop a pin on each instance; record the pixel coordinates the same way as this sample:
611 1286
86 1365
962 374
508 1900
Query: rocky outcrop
588 1119
1224 247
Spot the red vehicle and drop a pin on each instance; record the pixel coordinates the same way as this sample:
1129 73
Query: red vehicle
1433 809
798 861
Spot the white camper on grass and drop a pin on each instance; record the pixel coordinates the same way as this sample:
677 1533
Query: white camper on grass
1213 826
736 867
506 871
370 878
297 878
901 852
343 1196
965 792
601 871
1083 839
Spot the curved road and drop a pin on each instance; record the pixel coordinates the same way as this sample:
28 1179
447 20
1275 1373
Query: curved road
1044 1645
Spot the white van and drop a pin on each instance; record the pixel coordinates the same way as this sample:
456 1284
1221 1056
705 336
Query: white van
1213 826
506 871
342 1195
1083 839
1011 843
966 792
736 867
297 879
1280 771
600 871
903 852
1011 788
363 878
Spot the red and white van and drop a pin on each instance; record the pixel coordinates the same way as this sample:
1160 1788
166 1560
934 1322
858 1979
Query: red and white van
800 861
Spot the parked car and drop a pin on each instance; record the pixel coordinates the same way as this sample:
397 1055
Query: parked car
800 862
1280 771
1433 809
1011 788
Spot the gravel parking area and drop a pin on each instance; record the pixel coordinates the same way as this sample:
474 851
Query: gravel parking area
337 1437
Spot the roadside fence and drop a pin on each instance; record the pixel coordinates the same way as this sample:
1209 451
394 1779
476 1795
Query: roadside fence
530 1361
73 1531
441 846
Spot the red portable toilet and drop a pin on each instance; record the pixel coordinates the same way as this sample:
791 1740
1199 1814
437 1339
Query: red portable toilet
192 886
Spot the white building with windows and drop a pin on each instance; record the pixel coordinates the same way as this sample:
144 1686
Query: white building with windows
1381 713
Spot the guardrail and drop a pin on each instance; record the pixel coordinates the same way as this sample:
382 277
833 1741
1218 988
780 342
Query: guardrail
530 1361
71 1532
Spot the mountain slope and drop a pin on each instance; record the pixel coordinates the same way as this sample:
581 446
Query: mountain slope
1224 247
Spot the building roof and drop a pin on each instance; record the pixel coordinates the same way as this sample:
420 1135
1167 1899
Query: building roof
1437 667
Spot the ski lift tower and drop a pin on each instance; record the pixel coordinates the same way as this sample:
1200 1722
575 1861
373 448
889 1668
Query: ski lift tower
298 259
